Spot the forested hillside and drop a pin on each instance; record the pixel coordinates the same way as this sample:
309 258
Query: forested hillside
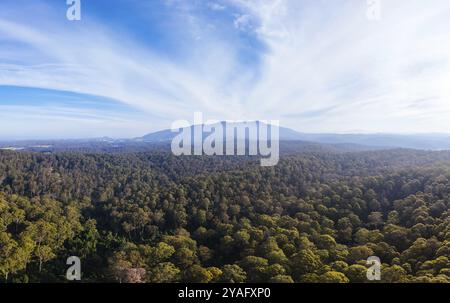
153 217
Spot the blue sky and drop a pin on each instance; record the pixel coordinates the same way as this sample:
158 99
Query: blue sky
133 66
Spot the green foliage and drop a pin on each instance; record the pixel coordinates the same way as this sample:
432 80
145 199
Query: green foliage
152 217
233 274
334 277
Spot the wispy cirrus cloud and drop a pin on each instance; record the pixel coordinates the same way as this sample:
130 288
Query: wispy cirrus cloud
314 65
91 58
329 55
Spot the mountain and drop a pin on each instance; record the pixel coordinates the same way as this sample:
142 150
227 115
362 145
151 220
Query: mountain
291 141
286 134
376 141
419 141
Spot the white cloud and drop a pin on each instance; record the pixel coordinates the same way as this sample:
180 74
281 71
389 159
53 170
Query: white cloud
324 68
243 22
360 75
90 59
215 6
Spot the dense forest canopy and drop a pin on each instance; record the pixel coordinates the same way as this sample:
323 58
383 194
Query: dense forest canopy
148 216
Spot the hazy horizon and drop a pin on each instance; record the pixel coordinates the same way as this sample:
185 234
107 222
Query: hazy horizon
62 138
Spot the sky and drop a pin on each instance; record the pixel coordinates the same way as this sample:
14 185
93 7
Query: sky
130 67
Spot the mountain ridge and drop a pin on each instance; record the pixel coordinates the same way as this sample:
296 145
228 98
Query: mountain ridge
376 140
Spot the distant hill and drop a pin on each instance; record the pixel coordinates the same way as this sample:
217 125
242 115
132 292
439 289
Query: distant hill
375 141
291 141
422 141
286 134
